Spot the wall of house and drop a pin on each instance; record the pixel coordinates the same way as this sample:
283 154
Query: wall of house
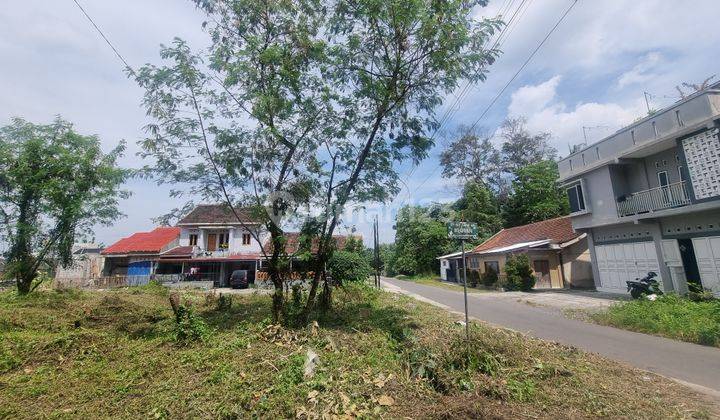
477 262
666 160
235 244
693 111
599 199
577 265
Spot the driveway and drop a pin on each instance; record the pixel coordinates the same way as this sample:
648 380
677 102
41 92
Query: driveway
692 364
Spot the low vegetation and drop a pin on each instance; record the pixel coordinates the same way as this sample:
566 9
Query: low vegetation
125 353
670 316
434 280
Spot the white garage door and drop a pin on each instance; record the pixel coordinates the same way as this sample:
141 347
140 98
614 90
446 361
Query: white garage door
707 253
622 262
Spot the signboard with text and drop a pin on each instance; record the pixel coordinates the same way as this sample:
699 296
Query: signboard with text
462 230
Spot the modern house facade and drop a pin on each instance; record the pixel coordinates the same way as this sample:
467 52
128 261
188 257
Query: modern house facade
648 197
558 254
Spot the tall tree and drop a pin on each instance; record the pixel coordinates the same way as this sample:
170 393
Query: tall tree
420 236
479 205
55 184
243 123
393 62
521 148
471 157
314 101
536 195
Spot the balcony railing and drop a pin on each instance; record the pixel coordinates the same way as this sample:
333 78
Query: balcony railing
673 195
218 253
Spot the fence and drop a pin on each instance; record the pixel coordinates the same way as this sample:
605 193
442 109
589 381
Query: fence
101 282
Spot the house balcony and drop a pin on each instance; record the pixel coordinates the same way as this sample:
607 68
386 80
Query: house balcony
218 253
660 198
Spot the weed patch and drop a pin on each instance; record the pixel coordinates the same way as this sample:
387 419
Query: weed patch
669 315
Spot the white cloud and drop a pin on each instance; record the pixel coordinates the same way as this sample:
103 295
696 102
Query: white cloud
566 123
533 98
642 71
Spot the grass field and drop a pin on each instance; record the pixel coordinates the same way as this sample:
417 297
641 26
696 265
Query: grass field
116 354
670 316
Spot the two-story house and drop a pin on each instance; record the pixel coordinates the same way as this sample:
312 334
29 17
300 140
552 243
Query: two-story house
648 197
213 243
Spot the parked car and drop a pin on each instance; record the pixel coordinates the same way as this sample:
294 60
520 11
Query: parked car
239 279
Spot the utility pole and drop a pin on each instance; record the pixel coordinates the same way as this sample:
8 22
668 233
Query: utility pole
376 251
464 263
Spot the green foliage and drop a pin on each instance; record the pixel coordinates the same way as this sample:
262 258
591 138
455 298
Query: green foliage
55 185
536 195
473 278
519 274
188 325
388 256
420 237
346 266
489 278
478 205
472 157
669 315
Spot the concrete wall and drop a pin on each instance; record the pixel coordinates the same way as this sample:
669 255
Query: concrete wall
577 265
693 111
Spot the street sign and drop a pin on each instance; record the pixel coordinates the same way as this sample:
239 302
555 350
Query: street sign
462 230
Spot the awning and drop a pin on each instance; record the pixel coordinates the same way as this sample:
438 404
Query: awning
514 247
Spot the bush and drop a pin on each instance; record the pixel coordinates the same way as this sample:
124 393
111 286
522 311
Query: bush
489 278
348 266
473 278
188 326
518 273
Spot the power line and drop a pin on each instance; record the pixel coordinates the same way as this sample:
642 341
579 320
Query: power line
525 63
497 43
117 53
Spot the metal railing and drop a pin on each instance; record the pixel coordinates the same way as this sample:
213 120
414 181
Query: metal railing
659 198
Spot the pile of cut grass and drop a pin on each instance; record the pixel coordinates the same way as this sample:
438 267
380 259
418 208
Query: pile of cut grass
115 354
670 316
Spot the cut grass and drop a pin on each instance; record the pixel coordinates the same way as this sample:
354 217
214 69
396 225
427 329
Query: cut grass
433 280
669 316
114 354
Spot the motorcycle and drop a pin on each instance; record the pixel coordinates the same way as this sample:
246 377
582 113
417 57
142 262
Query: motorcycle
644 286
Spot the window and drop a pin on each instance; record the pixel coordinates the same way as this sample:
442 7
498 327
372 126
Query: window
223 239
663 180
576 198
193 239
246 239
492 265
680 173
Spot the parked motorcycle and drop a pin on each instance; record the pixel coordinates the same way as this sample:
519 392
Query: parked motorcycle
644 286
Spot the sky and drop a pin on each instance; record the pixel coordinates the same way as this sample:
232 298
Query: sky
591 72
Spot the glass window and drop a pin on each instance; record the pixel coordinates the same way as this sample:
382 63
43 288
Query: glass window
492 265
246 239
193 239
223 240
575 196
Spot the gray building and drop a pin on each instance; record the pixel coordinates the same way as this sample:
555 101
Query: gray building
648 197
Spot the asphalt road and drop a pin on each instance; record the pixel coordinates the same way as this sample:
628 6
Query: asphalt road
695 365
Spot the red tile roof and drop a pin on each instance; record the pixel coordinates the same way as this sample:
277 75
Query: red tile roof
178 251
558 231
144 242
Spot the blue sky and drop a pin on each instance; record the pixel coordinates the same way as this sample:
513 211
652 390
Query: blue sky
592 72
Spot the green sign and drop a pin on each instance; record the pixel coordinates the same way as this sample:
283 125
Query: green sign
462 230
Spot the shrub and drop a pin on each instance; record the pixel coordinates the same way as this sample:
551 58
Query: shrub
348 266
518 273
489 278
473 278
188 326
